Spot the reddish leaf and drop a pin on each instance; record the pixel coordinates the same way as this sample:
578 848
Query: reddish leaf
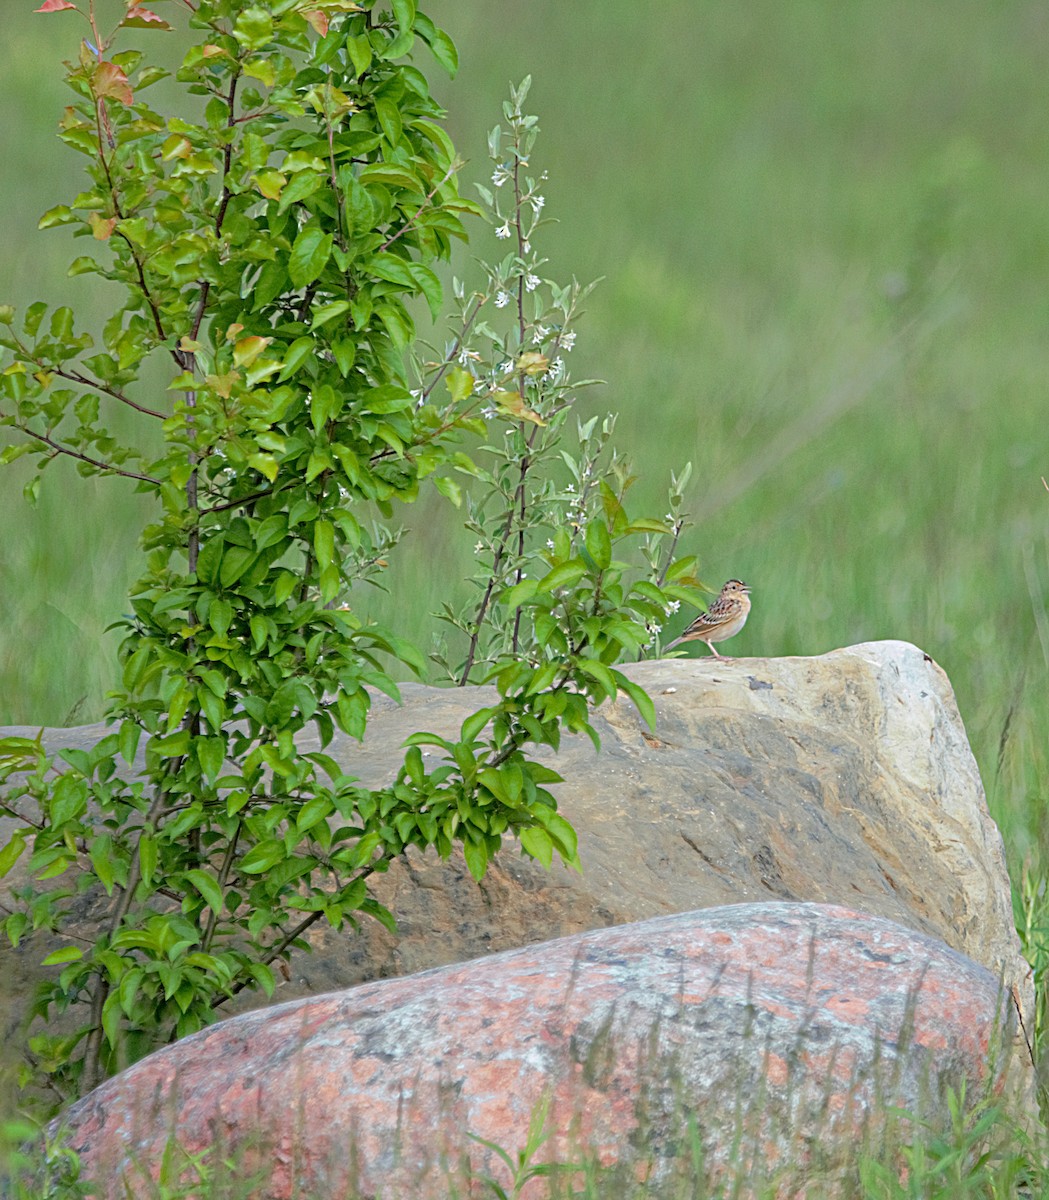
109 80
54 6
101 227
319 21
247 350
141 18
223 385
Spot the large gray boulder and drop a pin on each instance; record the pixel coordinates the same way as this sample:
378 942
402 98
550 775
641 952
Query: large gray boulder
844 778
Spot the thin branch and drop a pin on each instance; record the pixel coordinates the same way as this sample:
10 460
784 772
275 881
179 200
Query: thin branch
5 807
93 1045
220 216
278 948
223 876
420 210
679 524
457 345
98 386
249 499
482 609
94 462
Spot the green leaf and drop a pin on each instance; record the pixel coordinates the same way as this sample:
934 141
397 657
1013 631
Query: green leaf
34 314
566 575
220 615
254 28
444 51
263 856
173 746
325 404
563 835
476 855
210 560
235 564
449 487
68 799
360 52
59 215
66 955
430 286
147 857
262 975
404 14
428 739
460 384
328 312
309 256
111 1014
537 842
11 853
316 809
324 543
601 674
599 544
208 886
303 184
102 861
520 593
298 352
389 115
642 700
127 741
211 754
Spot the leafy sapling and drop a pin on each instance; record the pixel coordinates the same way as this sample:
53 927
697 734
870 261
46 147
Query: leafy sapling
269 239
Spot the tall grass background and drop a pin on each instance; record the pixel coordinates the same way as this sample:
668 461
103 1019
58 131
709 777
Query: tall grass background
823 236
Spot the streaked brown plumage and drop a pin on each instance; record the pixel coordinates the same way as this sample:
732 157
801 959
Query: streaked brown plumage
724 619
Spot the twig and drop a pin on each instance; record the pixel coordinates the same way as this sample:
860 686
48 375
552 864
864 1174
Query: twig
95 462
419 211
98 386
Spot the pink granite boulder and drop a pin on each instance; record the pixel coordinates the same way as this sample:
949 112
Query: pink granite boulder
779 1032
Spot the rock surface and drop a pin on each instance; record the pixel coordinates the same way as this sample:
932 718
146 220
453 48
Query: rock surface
845 778
786 1029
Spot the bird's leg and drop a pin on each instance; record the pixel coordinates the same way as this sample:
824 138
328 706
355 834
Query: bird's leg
712 650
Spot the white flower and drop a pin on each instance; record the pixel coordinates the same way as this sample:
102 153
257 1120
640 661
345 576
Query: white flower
488 412
568 340
540 335
557 369
504 230
526 246
570 489
537 204
502 299
549 543
672 607
499 176
507 368
669 517
531 282
478 548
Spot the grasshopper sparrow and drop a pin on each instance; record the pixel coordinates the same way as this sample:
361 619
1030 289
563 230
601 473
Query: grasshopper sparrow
725 618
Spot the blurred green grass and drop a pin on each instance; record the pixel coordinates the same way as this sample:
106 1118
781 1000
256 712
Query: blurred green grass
824 242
